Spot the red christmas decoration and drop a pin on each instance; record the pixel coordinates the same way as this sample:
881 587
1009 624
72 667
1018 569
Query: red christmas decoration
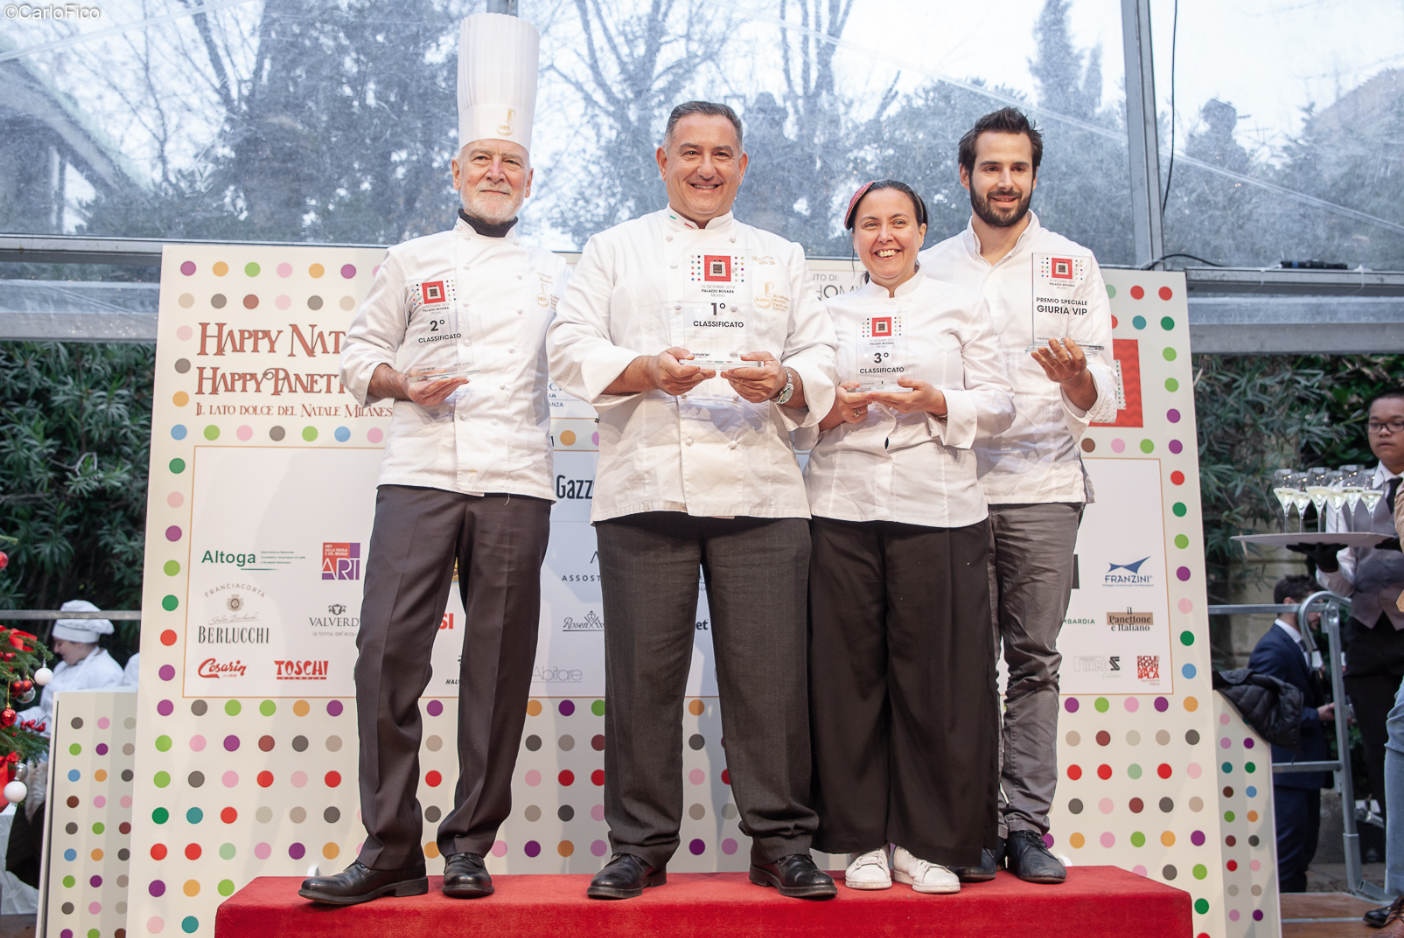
24 687
4 560
8 717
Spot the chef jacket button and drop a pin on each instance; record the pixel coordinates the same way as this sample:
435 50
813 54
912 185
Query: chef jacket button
493 421
735 397
688 441
519 312
670 237
677 306
733 239
512 350
519 276
501 387
682 397
674 266
731 445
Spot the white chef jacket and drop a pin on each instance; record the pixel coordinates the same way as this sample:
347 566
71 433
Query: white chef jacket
914 468
1036 460
1364 608
710 452
96 671
131 674
453 299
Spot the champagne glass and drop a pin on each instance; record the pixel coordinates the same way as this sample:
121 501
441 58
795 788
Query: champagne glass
1299 496
1318 489
1337 496
1351 486
1282 488
1371 493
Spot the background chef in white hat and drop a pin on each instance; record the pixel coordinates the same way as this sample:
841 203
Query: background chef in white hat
466 476
84 666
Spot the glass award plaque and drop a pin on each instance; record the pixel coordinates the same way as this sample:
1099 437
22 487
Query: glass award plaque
441 374
880 357
1060 305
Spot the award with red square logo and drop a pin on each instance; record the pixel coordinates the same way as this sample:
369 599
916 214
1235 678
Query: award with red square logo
1060 300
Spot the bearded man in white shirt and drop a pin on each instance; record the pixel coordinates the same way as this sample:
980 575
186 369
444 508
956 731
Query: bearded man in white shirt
696 469
466 477
1032 474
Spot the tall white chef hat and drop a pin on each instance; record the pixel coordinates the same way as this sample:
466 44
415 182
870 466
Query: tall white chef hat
81 630
497 61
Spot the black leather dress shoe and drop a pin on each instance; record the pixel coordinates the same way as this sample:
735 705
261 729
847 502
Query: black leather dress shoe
795 876
358 883
465 877
624 877
1375 918
1028 858
989 865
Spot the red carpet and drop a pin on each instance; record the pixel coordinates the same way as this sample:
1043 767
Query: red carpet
1096 901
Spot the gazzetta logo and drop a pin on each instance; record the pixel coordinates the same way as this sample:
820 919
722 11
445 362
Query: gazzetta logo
216 669
301 670
341 561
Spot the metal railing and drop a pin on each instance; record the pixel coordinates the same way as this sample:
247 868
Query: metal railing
40 615
1332 607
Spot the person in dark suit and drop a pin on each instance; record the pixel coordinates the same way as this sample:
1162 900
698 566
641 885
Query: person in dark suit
1282 654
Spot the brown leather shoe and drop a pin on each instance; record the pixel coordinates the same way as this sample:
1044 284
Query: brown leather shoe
1394 921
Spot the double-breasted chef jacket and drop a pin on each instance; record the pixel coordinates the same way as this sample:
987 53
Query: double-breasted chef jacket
660 281
914 468
1036 460
453 300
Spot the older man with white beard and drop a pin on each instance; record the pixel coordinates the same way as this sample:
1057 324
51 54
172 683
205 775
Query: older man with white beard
466 477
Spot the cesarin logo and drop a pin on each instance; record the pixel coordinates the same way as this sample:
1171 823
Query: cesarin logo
341 561
1127 574
717 267
301 670
1129 621
211 667
589 623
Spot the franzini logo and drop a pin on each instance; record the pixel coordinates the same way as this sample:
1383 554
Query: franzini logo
1127 574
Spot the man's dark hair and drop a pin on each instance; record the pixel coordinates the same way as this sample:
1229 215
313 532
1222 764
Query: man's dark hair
1296 586
1006 120
707 108
1390 395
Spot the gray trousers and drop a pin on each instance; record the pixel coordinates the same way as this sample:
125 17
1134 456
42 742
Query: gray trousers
1031 583
499 542
756 575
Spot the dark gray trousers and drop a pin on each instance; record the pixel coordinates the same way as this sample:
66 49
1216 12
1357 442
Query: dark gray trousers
499 542
756 575
1031 582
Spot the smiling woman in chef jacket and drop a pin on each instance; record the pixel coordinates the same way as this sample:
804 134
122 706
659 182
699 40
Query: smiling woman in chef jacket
902 671
84 666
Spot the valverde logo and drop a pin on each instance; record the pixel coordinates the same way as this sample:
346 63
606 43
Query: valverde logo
301 670
1127 574
214 668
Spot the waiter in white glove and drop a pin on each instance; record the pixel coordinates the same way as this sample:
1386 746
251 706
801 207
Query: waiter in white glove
466 476
1032 473
702 343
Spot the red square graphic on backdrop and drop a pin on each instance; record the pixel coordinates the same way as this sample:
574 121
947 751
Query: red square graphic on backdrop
1128 359
716 267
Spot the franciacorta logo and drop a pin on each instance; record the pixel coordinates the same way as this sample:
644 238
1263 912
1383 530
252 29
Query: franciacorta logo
301 670
212 668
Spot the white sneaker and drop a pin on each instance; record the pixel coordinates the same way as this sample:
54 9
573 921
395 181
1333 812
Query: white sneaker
868 870
921 875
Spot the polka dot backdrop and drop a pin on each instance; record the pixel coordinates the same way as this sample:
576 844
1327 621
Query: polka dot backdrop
230 789
1247 840
89 814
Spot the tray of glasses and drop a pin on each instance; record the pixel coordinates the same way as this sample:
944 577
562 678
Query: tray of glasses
1348 538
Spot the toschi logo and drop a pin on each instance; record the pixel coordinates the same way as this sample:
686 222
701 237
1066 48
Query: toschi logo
301 670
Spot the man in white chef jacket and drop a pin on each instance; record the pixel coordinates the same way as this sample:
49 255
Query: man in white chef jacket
1032 473
466 476
696 468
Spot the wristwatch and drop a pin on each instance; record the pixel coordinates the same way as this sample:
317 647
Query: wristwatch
788 391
